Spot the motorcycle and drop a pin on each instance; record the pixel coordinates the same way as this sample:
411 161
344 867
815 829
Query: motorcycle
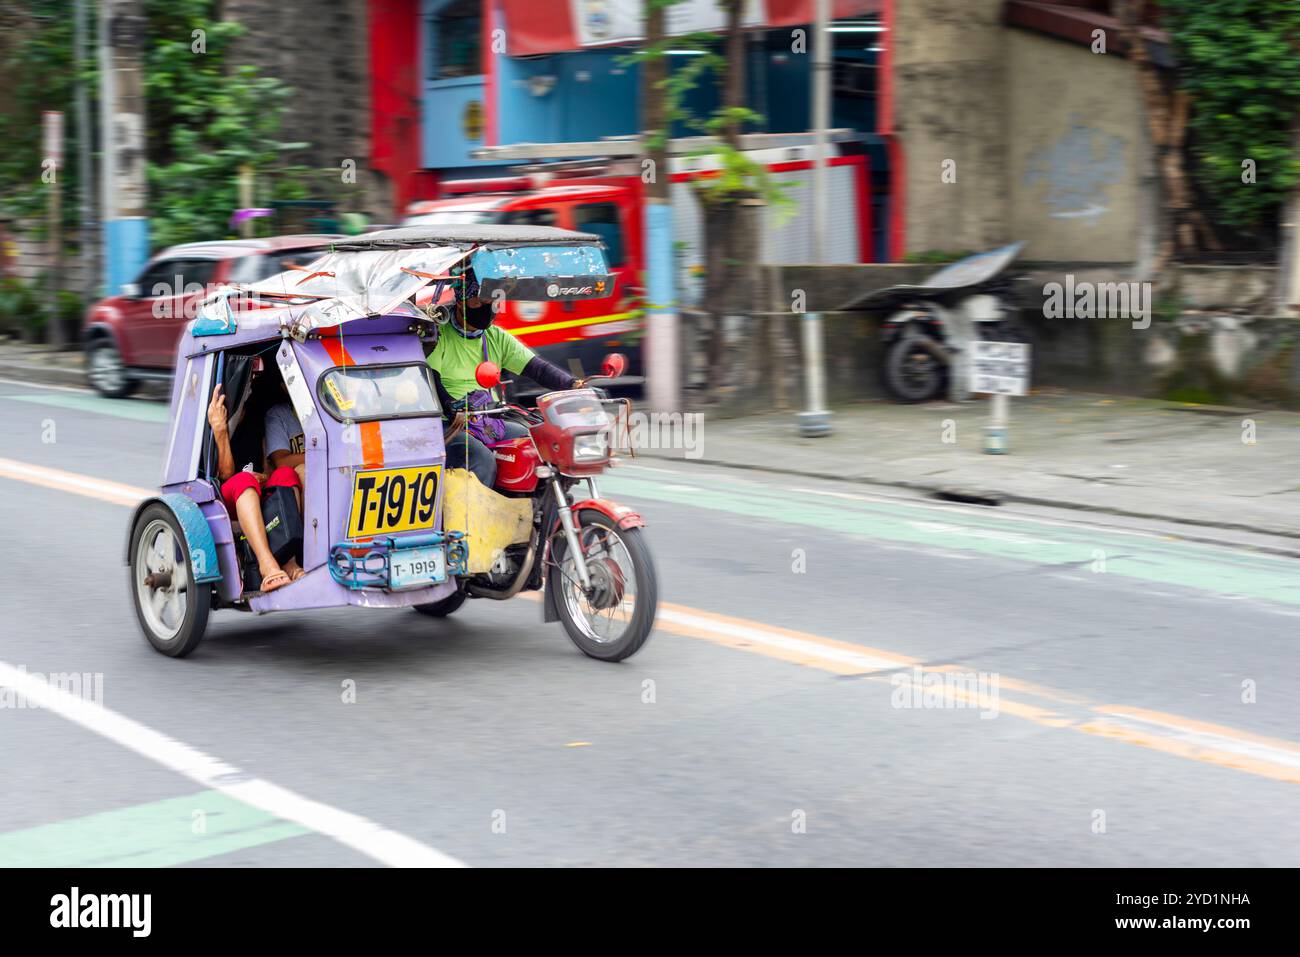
588 552
928 327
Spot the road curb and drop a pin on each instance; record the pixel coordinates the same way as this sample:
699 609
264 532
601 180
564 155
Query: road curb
41 374
1006 496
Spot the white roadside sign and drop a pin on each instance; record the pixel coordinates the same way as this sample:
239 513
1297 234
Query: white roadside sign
999 368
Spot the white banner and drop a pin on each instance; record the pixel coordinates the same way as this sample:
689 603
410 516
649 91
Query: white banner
598 22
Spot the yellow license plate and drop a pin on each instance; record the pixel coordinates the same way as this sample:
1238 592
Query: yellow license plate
386 501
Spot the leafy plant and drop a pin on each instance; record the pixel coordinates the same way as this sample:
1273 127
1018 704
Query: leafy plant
1239 60
207 116
37 51
22 304
18 302
934 256
207 119
739 176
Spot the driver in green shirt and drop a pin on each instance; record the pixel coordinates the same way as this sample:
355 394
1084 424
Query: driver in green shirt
468 339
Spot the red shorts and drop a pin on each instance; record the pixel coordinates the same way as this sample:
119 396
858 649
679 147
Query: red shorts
241 482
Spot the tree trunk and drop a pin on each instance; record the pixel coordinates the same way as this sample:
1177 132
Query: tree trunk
1167 109
733 96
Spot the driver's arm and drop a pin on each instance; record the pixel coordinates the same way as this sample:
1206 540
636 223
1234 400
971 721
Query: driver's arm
548 374
519 359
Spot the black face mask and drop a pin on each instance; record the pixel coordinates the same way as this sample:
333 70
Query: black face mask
479 317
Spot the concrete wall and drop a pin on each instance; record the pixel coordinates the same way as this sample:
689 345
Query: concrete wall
1213 348
1046 138
1076 151
949 104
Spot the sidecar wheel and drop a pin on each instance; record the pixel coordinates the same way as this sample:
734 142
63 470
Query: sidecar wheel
443 608
615 619
171 608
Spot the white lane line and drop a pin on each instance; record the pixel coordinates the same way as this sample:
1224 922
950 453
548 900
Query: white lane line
761 636
1258 750
351 830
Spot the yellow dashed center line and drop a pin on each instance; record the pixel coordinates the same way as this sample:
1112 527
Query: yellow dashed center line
1182 737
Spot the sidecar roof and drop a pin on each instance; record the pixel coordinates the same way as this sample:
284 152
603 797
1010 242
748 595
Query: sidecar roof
378 274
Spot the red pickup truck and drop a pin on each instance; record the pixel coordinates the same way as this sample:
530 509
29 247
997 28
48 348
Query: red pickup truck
131 337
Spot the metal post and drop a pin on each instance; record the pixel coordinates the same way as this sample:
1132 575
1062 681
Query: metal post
126 229
52 123
816 419
995 433
660 355
85 175
246 199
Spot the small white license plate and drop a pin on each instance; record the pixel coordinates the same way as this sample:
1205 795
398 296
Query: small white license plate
413 567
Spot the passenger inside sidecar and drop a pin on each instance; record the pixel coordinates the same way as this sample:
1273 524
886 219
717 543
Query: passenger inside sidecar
255 454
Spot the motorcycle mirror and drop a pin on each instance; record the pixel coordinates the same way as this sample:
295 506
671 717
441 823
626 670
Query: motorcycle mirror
487 375
614 366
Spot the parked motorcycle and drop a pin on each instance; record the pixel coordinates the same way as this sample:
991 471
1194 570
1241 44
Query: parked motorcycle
928 327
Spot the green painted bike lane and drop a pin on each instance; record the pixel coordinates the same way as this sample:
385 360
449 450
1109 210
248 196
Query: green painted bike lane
157 834
1141 556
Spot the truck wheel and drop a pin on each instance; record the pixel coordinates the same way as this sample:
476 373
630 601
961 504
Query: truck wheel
171 608
105 371
912 373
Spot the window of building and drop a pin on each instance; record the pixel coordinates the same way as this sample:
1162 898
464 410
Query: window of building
455 35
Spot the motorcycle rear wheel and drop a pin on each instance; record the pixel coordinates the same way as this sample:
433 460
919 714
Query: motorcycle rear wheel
612 621
913 373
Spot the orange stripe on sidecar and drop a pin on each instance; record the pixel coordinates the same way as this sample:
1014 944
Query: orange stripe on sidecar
372 440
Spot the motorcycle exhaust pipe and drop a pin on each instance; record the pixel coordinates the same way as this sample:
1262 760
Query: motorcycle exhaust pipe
501 594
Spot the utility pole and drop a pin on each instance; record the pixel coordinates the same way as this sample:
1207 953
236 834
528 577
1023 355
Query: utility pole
52 133
816 419
84 174
661 343
121 84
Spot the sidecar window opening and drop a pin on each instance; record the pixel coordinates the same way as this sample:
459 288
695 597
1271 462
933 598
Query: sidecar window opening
377 392
248 399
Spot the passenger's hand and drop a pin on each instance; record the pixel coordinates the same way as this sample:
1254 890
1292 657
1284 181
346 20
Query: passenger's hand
217 417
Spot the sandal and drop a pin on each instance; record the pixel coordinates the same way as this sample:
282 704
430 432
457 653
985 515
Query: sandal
298 572
277 579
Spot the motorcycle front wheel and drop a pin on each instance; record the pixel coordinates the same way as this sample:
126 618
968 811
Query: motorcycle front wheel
613 618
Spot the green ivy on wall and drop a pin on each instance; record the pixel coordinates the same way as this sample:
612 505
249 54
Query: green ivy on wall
1239 61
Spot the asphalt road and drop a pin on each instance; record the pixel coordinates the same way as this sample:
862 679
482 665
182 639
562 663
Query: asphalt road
1140 701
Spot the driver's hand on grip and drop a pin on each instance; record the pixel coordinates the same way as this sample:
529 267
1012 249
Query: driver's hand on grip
455 426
